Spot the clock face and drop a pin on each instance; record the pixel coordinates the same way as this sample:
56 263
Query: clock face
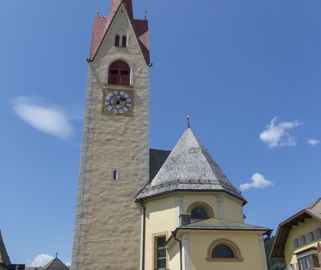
117 101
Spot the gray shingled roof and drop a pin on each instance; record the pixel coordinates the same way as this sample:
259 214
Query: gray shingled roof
4 258
55 264
189 167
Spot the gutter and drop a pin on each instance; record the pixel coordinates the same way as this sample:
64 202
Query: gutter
174 234
144 232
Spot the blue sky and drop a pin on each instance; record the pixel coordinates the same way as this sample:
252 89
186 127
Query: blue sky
248 71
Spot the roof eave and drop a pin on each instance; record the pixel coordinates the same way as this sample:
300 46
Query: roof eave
244 201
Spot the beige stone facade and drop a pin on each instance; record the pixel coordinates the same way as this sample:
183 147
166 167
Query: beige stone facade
108 222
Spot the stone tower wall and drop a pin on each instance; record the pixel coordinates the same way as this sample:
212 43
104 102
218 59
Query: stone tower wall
108 221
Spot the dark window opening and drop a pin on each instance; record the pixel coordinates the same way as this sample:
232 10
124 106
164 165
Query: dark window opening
115 174
222 252
160 253
124 41
119 73
117 40
199 213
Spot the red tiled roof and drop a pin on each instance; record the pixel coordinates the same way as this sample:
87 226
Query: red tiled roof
116 3
102 24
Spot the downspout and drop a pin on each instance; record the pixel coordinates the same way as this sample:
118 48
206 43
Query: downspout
144 229
180 249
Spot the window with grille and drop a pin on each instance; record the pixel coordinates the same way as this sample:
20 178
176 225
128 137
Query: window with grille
222 252
119 73
160 252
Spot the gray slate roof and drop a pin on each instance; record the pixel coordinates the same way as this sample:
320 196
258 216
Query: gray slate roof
189 167
55 264
4 258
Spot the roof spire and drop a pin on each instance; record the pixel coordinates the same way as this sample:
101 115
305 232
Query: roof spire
116 3
56 254
188 118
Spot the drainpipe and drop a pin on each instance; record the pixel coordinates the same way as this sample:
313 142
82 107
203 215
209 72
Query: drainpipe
144 229
180 249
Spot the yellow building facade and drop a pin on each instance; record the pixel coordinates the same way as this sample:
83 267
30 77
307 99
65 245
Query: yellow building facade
298 237
140 208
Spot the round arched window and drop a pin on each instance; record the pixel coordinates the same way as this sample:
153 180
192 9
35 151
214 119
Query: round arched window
222 252
199 213
119 73
200 210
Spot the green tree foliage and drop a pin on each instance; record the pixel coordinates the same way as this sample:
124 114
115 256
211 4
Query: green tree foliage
273 263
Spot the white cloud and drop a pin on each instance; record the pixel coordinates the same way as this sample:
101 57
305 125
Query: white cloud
313 141
41 260
45 117
258 181
277 134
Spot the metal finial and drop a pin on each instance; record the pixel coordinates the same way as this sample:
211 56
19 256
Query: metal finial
56 254
97 12
188 118
146 12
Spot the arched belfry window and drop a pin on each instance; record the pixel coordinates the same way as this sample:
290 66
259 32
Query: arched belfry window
200 210
124 41
119 73
117 40
224 250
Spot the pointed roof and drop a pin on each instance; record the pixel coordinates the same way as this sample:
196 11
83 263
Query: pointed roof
4 258
55 264
189 167
103 23
116 3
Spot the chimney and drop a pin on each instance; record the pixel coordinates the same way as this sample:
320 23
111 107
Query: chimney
185 219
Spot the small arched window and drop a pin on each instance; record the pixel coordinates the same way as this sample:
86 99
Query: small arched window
222 252
124 41
117 41
199 213
119 73
200 210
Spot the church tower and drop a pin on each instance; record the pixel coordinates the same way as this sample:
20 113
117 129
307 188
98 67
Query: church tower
115 149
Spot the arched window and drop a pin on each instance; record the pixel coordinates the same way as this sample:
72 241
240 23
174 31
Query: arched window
124 41
117 40
199 213
224 250
200 210
119 73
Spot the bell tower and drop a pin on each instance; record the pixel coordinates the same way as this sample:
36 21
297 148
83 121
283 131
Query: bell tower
115 149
